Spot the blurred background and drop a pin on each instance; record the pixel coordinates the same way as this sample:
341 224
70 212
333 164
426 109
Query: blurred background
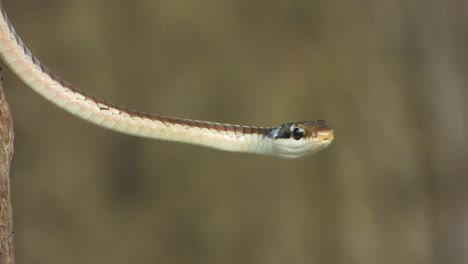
389 76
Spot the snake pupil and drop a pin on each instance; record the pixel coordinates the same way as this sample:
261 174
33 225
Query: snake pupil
297 133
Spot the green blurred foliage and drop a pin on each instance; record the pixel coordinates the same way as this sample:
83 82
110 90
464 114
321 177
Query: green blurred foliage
389 77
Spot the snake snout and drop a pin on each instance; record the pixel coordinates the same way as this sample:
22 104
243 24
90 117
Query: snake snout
324 133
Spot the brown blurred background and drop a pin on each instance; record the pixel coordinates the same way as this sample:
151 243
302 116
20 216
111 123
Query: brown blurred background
389 76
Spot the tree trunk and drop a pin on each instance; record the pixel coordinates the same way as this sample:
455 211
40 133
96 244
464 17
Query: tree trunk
6 154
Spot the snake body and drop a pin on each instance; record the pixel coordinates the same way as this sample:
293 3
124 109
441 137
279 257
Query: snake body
289 140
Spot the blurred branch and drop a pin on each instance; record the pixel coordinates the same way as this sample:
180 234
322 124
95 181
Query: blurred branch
6 154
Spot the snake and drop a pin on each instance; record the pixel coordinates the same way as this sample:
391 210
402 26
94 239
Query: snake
288 140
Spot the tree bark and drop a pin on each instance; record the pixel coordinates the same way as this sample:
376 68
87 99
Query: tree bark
6 154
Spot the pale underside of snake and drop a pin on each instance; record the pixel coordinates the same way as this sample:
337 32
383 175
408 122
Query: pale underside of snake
289 140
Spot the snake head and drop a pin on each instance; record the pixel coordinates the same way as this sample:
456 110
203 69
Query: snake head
293 140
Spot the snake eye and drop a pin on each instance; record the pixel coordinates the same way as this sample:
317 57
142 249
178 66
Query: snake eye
297 133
